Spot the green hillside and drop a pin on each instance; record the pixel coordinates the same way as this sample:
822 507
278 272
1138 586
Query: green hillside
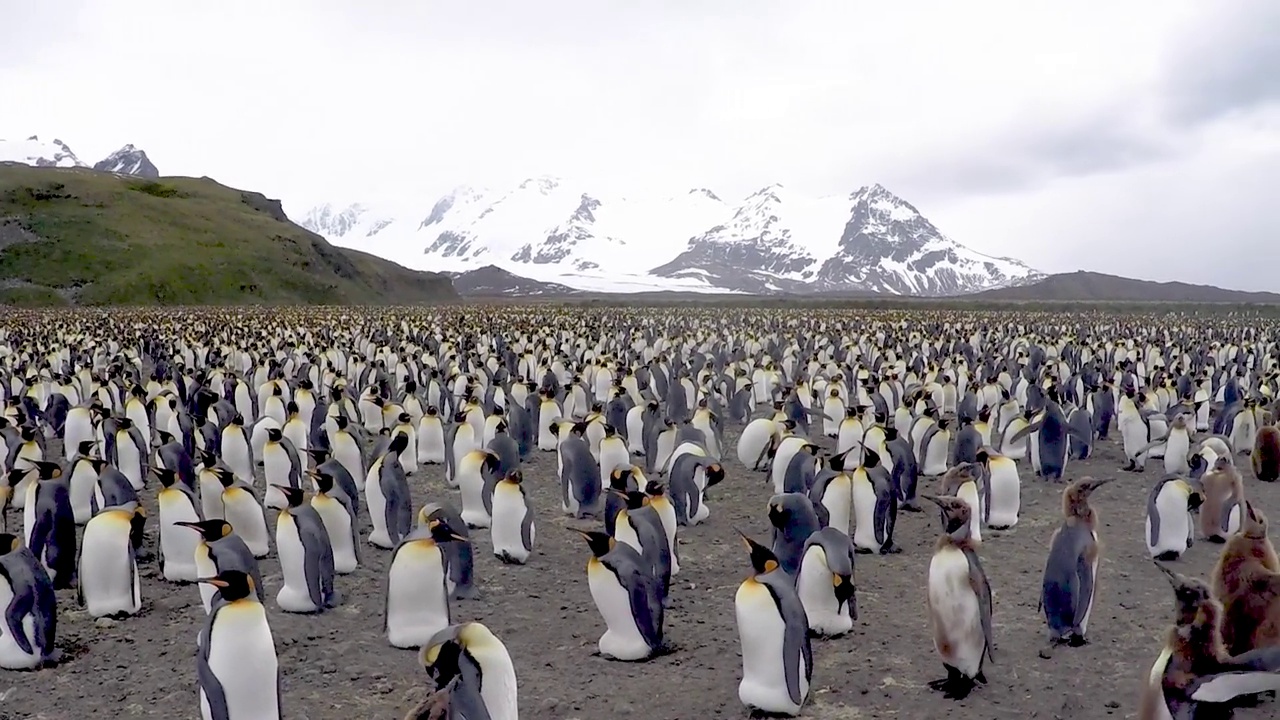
76 236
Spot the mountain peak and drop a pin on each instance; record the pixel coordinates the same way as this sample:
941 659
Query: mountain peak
34 151
128 160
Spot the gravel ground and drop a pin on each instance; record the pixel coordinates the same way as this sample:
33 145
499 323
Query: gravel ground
339 665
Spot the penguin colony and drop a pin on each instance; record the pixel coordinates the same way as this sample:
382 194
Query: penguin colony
192 448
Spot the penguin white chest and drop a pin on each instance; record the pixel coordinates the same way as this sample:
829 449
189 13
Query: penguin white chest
13 657
613 453
471 482
177 544
968 492
246 517
130 460
337 525
864 514
622 639
1174 522
430 441
210 496
276 469
815 586
294 595
509 512
108 571
242 655
347 453
376 501
417 598
954 610
205 568
837 498
762 632
1005 493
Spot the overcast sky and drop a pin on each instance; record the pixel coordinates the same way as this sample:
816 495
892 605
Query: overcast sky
1137 137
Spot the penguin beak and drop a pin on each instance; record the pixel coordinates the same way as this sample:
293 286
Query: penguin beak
191 525
933 499
214 581
1174 580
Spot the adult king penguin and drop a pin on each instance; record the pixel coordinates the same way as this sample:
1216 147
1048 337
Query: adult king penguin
777 659
628 597
470 651
417 593
236 667
959 603
306 557
1070 583
31 608
825 583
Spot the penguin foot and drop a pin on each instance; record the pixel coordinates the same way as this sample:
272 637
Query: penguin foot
960 689
1077 640
1216 539
1046 652
460 593
1168 556
507 559
890 549
910 507
863 551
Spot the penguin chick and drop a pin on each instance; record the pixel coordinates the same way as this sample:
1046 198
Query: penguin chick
1266 454
959 602
1246 580
1220 514
1071 571
1194 667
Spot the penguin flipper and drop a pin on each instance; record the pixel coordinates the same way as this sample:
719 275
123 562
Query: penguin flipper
19 605
1030 428
1153 514
210 687
313 565
1084 595
982 588
1252 672
646 606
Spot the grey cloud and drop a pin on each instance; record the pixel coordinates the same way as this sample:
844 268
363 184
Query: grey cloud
1228 63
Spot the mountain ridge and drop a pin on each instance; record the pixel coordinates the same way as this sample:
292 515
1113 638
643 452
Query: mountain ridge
128 160
775 240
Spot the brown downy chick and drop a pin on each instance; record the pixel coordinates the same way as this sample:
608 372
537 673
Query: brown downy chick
1246 581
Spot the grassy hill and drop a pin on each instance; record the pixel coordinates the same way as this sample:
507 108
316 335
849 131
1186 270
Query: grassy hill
77 236
1097 287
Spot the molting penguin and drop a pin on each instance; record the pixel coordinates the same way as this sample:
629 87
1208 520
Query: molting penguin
1266 454
417 593
236 667
628 597
1070 584
965 482
512 525
1246 580
959 603
1194 667
825 583
777 659
306 558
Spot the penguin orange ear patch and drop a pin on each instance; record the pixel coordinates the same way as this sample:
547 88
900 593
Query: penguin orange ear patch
770 565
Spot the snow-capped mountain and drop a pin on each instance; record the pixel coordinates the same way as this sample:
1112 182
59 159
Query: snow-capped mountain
128 160
775 240
34 151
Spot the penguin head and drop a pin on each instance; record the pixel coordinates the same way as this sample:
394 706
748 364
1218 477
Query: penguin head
167 476
232 584
654 489
274 435
763 561
599 542
442 533
85 447
28 433
619 480
955 512
210 530
635 499
1075 499
166 437
292 495
609 430
48 470
715 474
291 409
9 543
1191 594
226 477
778 513
514 476
432 410
1255 523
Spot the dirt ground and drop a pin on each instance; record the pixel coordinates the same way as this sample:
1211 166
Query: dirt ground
339 665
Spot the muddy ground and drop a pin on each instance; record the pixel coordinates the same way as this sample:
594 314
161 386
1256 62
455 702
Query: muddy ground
339 665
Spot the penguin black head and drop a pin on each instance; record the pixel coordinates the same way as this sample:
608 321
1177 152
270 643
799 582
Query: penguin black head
982 457
870 459
342 422
166 437
1190 593
238 419
432 410
515 476
226 477
580 428
48 470
404 418
9 543
291 408
28 433
210 530
635 499
609 430
715 474
398 443
274 435
324 481
442 533
318 454
85 447
167 476
599 542
778 515
292 495
654 489
763 561
232 585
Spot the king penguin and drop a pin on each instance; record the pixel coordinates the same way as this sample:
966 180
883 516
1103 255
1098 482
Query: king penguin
339 517
306 557
49 524
1170 527
1071 571
177 546
472 652
218 549
512 529
777 659
417 593
825 583
387 496
236 667
627 596
31 608
959 603
108 569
